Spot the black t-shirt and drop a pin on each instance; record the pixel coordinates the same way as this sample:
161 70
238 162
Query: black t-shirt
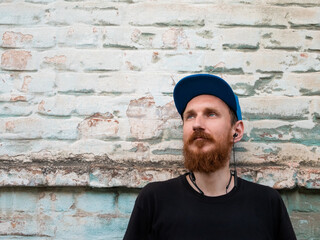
174 210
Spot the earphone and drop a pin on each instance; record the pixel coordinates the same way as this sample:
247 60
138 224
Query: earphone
235 135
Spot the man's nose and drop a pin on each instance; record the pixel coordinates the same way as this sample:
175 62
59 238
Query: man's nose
198 123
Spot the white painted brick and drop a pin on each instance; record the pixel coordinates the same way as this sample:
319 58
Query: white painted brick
19 60
275 130
289 154
79 35
153 14
21 13
167 151
302 62
159 38
82 60
60 105
34 82
95 83
89 105
95 146
145 128
41 1
15 108
154 83
292 84
312 41
49 149
186 38
185 61
101 126
13 96
67 13
258 127
226 61
290 39
117 83
241 38
147 120
275 107
144 119
303 16
40 37
126 37
261 62
250 15
315 108
57 129
126 151
286 3
138 60
6 82
14 128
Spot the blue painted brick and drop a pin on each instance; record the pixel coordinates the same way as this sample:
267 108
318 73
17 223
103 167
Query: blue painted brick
18 201
126 202
97 202
56 202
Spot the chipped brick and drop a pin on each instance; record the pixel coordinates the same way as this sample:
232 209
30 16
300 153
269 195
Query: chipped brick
11 39
99 126
15 59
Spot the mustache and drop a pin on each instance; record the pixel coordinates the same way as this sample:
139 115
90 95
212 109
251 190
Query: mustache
200 134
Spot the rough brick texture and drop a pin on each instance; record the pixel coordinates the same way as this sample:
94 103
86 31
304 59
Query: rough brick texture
86 100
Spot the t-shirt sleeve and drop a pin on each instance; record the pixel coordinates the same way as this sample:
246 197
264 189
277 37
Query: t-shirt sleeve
285 230
140 221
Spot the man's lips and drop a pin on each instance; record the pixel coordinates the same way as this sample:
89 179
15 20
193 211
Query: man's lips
199 138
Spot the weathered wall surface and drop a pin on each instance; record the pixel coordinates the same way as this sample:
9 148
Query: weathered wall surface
86 104
81 214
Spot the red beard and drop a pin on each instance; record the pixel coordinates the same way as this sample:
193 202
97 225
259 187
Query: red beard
209 161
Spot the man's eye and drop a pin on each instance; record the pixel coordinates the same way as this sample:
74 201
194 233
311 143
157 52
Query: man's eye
189 117
211 114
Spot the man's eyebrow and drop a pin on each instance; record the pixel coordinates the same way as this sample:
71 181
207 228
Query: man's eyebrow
211 109
188 112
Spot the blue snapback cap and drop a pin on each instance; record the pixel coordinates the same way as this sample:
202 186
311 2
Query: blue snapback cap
200 84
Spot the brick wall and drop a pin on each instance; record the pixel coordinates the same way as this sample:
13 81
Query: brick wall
86 104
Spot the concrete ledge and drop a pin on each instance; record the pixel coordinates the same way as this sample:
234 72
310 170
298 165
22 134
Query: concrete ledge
102 172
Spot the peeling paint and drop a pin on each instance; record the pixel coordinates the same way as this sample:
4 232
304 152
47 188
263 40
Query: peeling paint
10 39
15 59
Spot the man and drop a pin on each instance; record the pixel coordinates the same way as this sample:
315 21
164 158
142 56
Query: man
209 202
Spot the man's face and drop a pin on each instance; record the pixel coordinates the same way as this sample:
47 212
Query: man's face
207 134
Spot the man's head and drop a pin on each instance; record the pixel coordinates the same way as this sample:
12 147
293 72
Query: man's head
211 117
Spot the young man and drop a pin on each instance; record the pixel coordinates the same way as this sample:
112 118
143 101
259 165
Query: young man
209 202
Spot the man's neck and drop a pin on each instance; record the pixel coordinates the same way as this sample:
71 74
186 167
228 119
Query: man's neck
213 184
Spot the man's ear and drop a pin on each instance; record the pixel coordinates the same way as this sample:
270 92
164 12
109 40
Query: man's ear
238 131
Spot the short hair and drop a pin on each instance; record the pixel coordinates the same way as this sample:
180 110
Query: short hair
233 116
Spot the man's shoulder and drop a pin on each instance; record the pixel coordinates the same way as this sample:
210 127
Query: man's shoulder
163 185
157 191
259 189
159 188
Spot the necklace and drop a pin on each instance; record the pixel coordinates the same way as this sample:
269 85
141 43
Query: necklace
193 180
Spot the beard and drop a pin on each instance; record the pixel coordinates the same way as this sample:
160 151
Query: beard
209 161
